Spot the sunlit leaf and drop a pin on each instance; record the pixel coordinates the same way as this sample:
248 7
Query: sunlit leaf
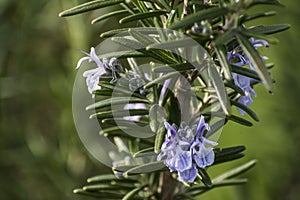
92 5
220 89
236 171
256 61
115 101
145 168
141 16
223 58
200 15
109 15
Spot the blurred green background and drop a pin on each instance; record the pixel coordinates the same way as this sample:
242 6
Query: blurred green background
40 153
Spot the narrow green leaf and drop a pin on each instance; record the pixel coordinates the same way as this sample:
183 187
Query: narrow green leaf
108 15
119 113
132 44
177 67
228 158
124 31
224 38
270 29
256 60
92 5
145 168
161 79
99 194
251 113
256 16
235 172
123 168
141 16
220 89
236 88
157 116
239 120
245 71
173 44
205 177
250 33
136 131
100 187
223 58
107 177
115 101
120 89
135 45
200 189
264 2
160 136
133 192
142 38
215 127
223 152
122 54
145 152
199 16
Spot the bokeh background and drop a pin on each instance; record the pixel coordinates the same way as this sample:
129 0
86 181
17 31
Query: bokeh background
41 156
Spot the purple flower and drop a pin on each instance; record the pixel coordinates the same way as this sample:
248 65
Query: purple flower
107 66
186 149
241 60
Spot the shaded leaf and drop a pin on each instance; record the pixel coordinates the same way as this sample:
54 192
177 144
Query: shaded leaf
256 16
270 29
204 177
239 120
251 113
99 194
245 71
133 192
265 2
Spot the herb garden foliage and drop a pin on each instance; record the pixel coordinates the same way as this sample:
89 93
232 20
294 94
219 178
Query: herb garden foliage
171 160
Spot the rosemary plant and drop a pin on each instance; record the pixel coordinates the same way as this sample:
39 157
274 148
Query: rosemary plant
183 69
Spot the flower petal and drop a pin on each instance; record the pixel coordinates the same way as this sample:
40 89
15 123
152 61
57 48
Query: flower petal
188 175
183 161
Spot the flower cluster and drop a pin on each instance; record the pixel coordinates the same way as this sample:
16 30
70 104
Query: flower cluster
241 60
107 66
186 149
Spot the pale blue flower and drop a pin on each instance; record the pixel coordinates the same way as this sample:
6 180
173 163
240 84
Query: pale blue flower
107 66
241 60
186 149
